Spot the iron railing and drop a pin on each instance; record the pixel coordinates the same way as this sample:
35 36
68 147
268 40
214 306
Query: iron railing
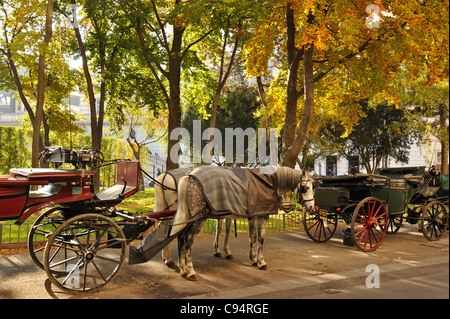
18 234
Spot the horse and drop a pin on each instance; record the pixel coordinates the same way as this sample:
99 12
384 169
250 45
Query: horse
194 206
166 198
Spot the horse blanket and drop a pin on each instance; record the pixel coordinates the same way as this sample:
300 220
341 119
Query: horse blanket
238 191
177 174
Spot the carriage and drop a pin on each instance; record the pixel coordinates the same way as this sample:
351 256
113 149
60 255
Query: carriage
372 205
80 237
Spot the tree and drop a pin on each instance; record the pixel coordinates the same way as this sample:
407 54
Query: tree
165 52
384 132
21 45
427 107
169 33
103 44
36 148
238 109
330 46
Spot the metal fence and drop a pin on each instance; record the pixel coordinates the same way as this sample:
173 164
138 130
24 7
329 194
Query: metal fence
12 235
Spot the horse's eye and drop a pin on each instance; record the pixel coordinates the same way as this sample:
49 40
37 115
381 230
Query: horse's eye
304 189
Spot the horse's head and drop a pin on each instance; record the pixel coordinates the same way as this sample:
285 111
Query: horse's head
304 191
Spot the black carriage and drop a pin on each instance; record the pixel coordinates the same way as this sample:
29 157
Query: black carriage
372 205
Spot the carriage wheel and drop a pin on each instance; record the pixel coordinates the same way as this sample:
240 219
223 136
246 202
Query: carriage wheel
89 249
40 232
319 225
369 224
434 220
395 223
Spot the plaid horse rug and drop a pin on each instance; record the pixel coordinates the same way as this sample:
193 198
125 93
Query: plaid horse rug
238 191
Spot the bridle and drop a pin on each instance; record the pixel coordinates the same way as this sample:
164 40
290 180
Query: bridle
301 189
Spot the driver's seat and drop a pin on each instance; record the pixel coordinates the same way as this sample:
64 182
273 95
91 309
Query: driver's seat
127 181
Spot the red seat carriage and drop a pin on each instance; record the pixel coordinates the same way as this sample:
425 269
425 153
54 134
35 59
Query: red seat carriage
80 237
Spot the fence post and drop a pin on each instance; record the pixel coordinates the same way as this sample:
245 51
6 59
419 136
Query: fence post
284 222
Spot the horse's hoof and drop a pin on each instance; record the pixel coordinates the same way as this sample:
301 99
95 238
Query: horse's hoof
230 257
263 267
193 277
255 264
218 255
169 263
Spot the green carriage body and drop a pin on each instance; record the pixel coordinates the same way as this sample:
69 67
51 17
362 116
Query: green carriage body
374 203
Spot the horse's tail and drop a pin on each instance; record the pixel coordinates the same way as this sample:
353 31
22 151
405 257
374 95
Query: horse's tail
182 215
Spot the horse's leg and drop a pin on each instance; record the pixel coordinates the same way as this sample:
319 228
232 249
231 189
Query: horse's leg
193 230
182 254
216 251
226 242
160 205
166 253
252 228
262 221
196 207
180 222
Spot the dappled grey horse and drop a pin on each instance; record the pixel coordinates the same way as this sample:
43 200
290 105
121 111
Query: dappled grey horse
217 192
166 194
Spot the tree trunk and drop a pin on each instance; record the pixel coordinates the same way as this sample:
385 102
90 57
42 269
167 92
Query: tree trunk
35 148
174 92
294 138
96 123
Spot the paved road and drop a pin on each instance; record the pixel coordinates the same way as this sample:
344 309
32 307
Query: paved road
409 265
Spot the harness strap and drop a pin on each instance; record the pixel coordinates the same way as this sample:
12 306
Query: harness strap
160 184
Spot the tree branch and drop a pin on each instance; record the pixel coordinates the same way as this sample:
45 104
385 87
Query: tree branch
194 43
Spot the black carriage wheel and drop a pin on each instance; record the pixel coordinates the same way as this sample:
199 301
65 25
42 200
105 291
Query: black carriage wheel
434 220
395 223
40 232
89 249
320 226
369 224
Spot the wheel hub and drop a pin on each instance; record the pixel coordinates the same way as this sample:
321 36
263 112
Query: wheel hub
89 255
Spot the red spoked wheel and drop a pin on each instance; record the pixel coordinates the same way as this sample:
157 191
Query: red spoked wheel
320 225
369 224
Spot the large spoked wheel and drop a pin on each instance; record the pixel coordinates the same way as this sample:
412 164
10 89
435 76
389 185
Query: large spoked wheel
40 232
89 250
369 224
434 220
319 225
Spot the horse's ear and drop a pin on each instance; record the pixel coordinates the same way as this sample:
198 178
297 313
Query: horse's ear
311 173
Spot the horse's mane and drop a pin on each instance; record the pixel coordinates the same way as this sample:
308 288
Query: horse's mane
287 178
